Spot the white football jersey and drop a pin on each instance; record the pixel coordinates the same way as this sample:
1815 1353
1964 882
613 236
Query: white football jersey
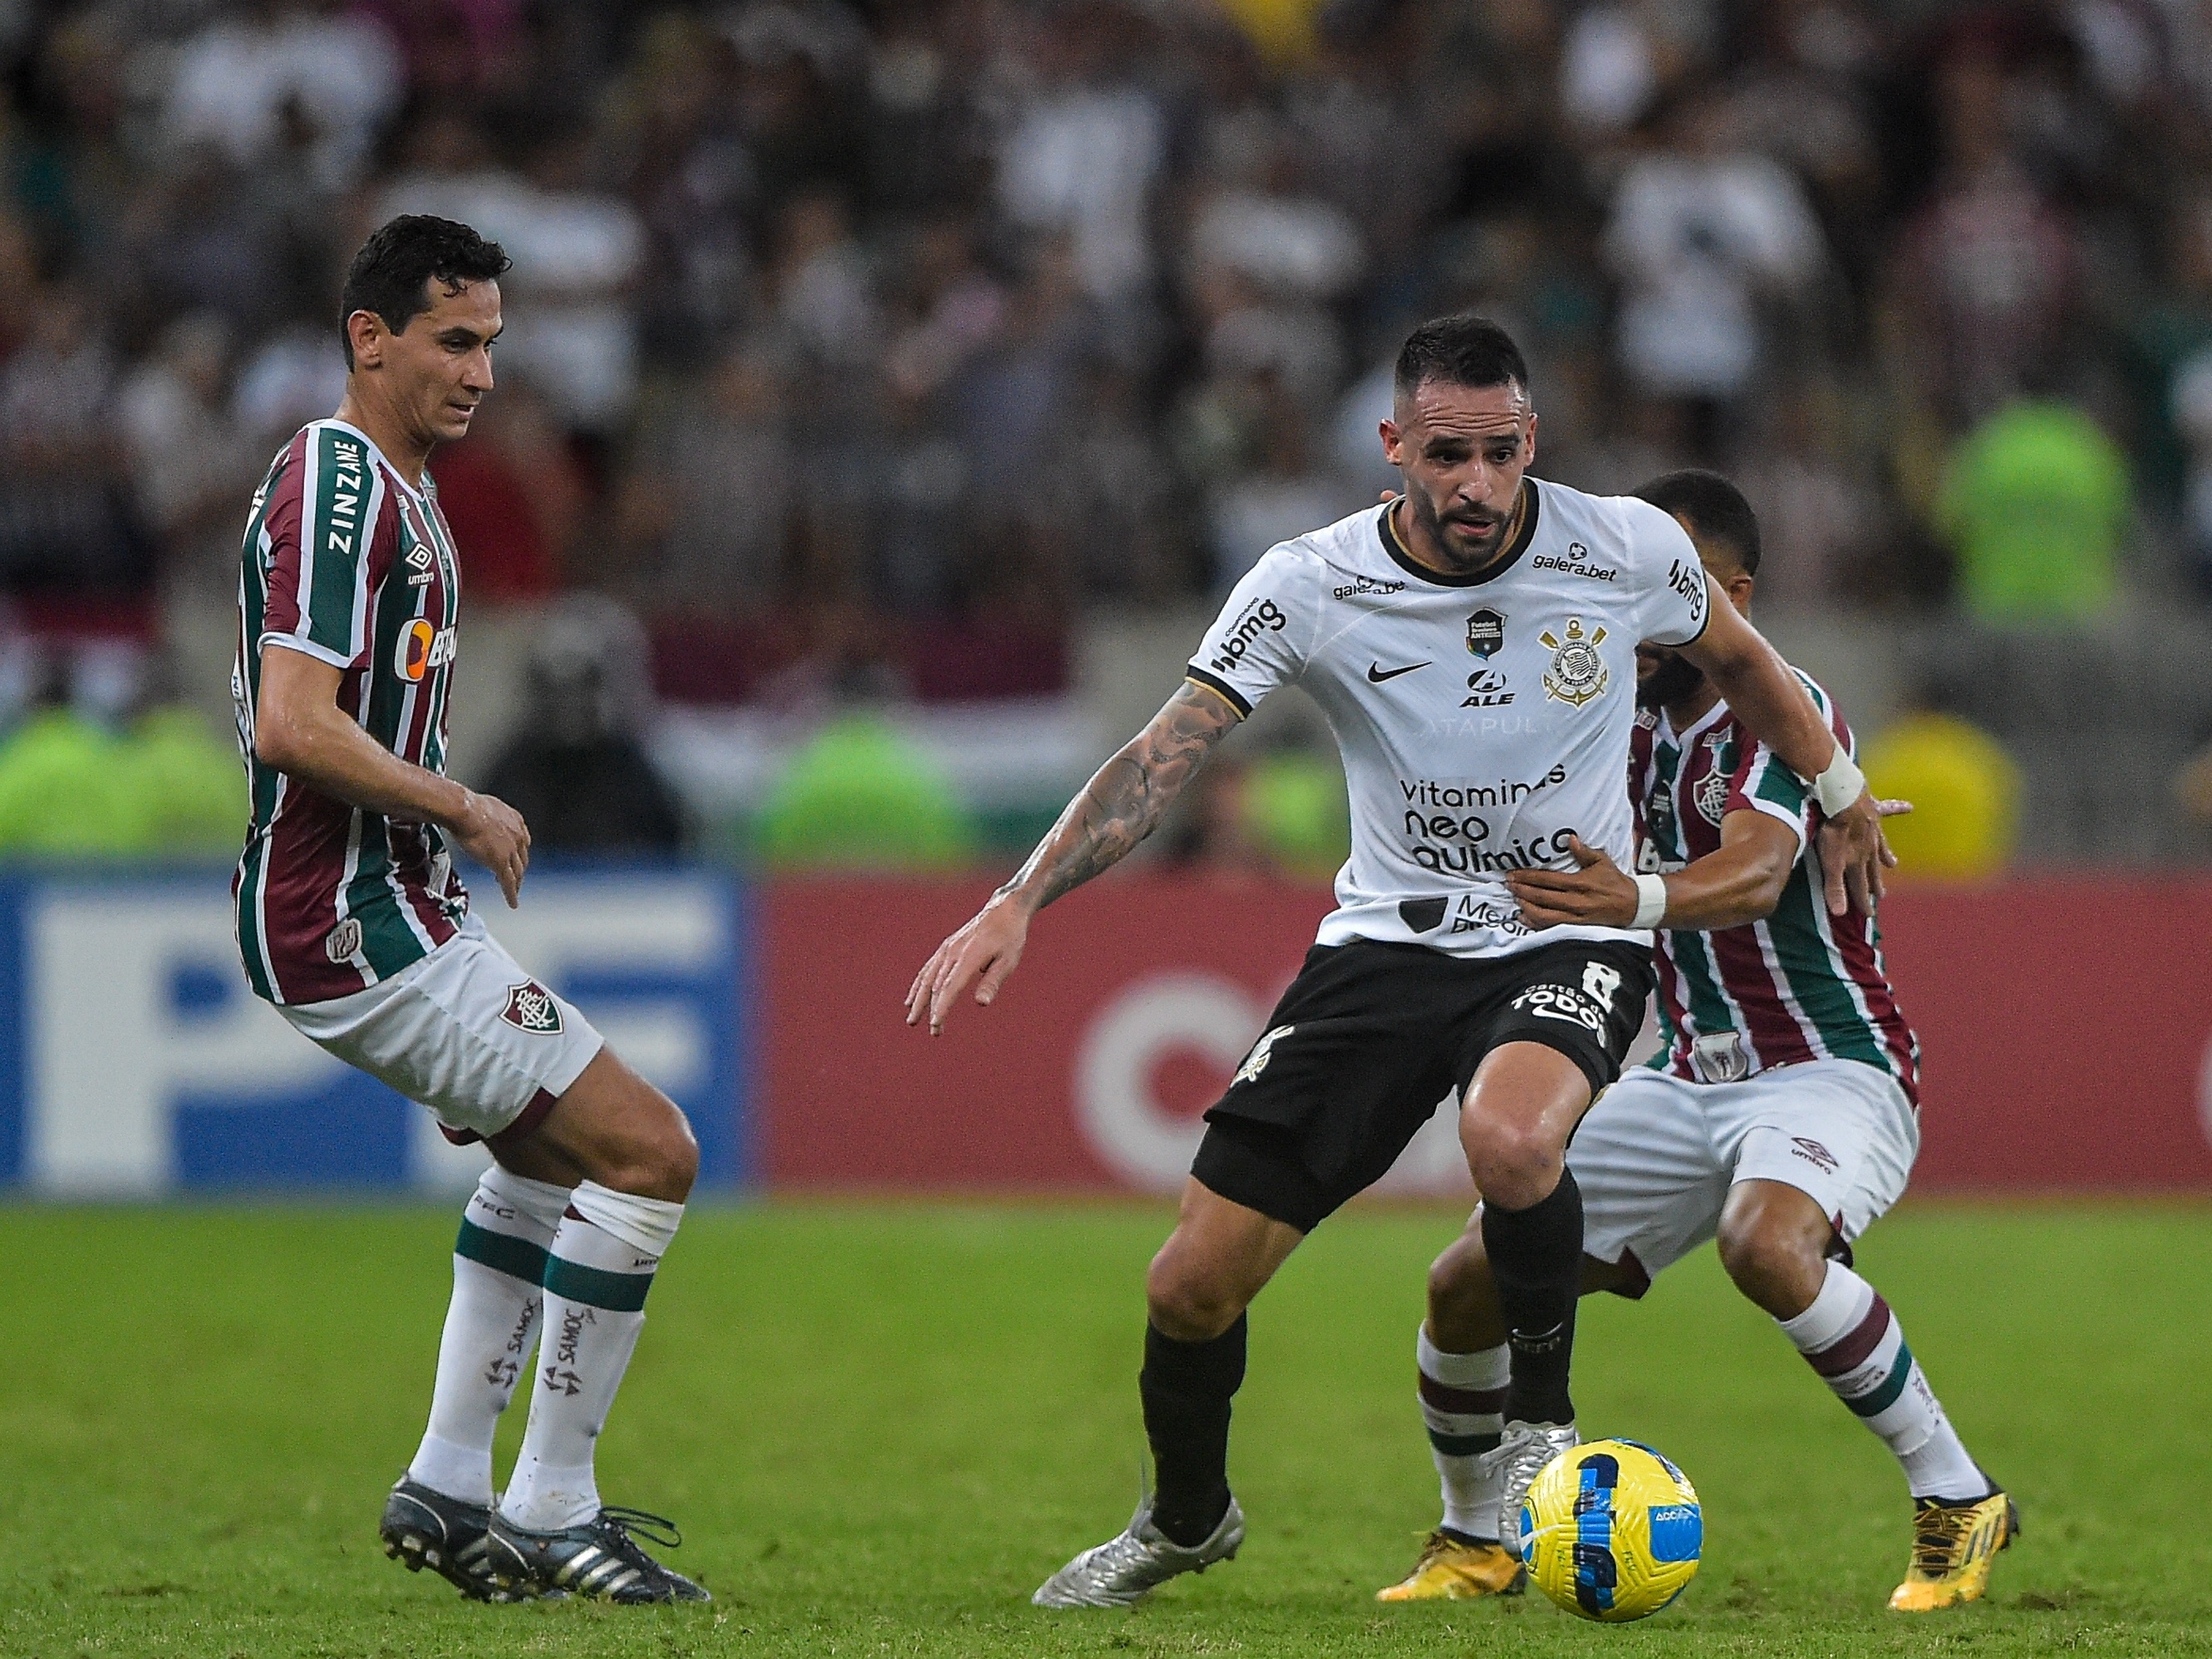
1481 719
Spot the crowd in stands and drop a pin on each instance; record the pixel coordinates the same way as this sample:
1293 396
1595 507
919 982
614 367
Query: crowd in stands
865 342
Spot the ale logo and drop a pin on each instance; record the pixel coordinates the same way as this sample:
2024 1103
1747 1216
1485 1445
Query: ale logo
422 648
530 1007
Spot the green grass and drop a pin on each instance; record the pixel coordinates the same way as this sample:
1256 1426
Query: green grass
882 1426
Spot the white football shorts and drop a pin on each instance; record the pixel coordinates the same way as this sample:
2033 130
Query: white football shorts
1656 1155
464 1030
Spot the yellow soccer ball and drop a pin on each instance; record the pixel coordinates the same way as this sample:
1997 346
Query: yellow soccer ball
1611 1531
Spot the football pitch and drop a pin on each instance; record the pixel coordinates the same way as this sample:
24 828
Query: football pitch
880 1426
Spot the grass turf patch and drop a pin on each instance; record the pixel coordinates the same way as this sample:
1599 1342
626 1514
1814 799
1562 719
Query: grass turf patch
882 1426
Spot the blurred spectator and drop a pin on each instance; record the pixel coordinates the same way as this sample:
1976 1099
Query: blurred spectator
63 524
1285 493
1082 157
1210 832
872 342
65 790
576 769
823 297
514 495
859 796
1987 276
189 789
705 511
1817 517
576 251
297 375
190 462
1299 816
256 68
2034 502
1704 235
1965 791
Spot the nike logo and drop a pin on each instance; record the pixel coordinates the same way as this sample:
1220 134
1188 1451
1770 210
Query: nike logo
1378 673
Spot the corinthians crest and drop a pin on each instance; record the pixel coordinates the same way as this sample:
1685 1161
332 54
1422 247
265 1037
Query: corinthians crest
1577 672
1262 1051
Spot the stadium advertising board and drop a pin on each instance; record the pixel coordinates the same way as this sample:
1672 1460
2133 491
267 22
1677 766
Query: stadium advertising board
2067 1025
135 1062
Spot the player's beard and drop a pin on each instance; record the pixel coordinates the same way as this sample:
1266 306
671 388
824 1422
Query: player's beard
1674 680
1433 522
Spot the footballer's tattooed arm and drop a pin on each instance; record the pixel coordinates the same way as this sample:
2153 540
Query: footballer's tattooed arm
1123 803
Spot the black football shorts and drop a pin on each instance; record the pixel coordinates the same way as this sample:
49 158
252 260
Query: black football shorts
1371 1036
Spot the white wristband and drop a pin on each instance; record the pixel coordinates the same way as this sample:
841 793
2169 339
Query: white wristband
1651 901
1840 785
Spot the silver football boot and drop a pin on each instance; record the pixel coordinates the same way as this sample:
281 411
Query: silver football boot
1519 1458
1123 1571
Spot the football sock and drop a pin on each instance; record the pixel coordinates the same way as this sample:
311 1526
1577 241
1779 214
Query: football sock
498 1260
1187 1387
1463 1395
1536 1260
1850 1336
598 1271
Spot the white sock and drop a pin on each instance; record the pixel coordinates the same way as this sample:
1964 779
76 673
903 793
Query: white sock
597 1274
498 1260
1463 1400
1850 1336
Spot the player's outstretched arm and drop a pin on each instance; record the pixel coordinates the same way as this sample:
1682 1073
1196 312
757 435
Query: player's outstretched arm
298 729
1773 704
1120 806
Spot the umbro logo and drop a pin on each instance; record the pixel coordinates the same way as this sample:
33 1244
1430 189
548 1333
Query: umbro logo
1377 673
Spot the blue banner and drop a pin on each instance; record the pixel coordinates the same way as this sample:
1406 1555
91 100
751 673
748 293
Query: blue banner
135 1062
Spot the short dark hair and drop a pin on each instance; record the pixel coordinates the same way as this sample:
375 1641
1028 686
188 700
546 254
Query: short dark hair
1464 350
1715 508
392 274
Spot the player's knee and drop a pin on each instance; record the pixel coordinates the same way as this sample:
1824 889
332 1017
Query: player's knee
659 1155
1514 1165
1766 1259
1186 1303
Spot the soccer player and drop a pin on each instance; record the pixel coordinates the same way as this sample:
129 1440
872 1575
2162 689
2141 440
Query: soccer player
352 922
1472 643
1782 1116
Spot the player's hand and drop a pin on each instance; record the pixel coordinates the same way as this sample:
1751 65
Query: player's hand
982 953
1594 894
1853 854
493 833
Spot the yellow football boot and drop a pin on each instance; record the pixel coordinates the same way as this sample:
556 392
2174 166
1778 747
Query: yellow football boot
1452 1569
1953 1548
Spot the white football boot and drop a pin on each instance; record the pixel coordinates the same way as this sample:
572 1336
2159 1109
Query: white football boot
1123 1571
1519 1458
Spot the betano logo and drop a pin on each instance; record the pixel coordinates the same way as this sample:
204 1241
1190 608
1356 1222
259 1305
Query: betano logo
422 647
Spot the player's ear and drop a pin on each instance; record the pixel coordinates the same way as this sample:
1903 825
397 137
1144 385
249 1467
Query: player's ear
1391 440
1528 450
1738 587
365 330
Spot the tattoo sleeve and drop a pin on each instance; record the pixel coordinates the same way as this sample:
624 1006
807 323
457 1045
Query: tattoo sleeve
1125 800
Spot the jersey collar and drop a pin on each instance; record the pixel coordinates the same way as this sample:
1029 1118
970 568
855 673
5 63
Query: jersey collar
382 460
1696 728
1387 533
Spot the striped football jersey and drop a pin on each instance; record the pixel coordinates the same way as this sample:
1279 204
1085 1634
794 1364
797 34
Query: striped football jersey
346 562
1801 985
